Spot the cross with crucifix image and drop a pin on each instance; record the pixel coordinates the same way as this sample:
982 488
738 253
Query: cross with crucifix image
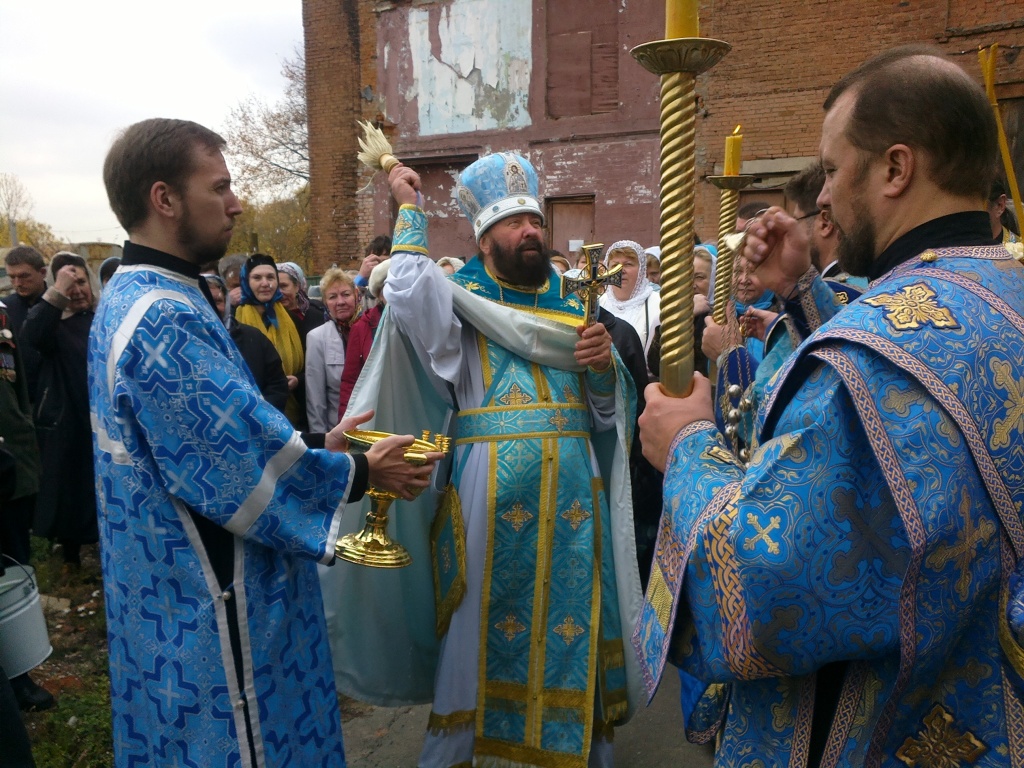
593 279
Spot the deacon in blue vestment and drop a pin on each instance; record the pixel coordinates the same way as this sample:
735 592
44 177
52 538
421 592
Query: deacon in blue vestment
214 512
847 590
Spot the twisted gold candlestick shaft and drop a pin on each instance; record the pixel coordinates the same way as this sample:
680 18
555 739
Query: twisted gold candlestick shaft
678 62
678 115
724 263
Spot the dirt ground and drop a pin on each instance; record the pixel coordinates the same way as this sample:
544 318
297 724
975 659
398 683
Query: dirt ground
77 732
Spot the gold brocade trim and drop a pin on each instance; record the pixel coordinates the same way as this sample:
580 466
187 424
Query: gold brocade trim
492 497
519 436
659 596
604 731
612 654
450 507
565 318
485 362
741 654
595 612
1011 700
492 753
540 381
523 408
439 725
554 697
547 499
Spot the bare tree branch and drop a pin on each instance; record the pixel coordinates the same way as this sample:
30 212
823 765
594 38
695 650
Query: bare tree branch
15 201
269 145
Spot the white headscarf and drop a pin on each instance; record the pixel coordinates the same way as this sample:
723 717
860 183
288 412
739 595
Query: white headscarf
642 309
641 290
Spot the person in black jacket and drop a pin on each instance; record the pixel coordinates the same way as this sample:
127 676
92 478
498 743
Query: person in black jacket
646 480
57 330
19 481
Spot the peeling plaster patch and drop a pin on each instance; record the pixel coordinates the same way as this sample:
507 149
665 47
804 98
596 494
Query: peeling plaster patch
471 73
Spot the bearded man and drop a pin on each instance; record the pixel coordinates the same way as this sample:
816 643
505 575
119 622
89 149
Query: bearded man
215 510
533 558
850 587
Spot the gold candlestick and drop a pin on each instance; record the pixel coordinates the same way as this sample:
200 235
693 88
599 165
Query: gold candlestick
678 62
372 546
729 205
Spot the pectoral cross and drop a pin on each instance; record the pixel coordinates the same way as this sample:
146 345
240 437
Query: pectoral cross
593 279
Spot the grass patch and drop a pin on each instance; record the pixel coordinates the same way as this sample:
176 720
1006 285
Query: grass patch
77 732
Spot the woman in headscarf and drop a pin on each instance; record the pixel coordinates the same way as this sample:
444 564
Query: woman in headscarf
705 261
57 328
635 300
749 293
325 350
306 312
262 309
259 354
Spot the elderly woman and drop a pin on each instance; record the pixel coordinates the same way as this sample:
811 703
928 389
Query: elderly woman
306 312
325 350
262 309
57 329
635 301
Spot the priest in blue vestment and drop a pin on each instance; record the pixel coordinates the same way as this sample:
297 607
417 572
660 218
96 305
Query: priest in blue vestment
846 593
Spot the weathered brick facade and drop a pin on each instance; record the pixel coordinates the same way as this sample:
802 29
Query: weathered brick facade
554 79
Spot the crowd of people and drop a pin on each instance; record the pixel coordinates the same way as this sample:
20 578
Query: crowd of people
824 536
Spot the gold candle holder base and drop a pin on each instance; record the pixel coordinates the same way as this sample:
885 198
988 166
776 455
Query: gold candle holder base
372 546
680 54
734 183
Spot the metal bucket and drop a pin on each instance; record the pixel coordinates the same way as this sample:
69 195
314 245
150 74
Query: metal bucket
24 641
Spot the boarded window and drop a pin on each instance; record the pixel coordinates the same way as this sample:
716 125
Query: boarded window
569 220
583 57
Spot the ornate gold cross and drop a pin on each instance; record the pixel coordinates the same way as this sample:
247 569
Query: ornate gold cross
763 533
593 279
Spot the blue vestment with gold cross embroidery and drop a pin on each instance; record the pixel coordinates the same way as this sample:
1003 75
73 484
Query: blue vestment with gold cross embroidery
531 665
876 528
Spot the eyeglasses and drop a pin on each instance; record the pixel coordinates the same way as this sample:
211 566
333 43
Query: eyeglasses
809 215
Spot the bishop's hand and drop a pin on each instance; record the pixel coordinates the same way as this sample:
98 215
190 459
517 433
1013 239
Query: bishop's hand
594 349
389 471
405 185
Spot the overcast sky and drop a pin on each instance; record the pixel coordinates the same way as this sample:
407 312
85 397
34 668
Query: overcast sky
73 73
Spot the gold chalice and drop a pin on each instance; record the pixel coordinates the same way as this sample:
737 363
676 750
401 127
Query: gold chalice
372 546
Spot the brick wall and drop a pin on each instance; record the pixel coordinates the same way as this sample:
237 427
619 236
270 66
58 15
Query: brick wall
785 56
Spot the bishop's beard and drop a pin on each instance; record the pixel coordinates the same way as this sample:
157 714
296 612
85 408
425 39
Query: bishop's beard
528 264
